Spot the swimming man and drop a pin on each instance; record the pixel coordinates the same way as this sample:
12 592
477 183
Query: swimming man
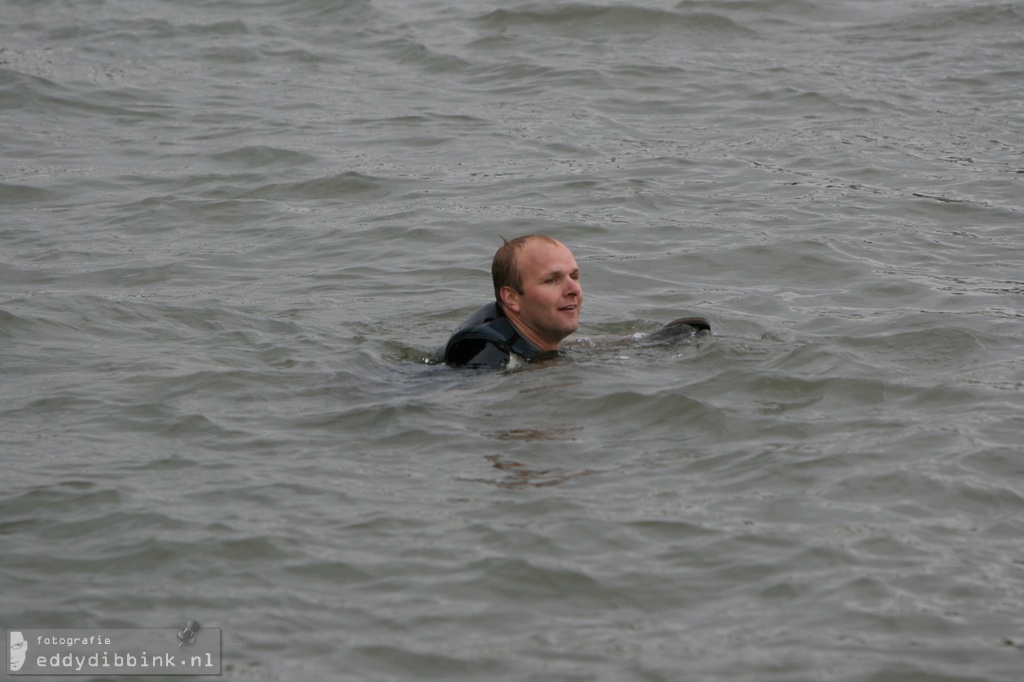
537 301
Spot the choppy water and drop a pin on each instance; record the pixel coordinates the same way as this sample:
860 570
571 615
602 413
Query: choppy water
231 232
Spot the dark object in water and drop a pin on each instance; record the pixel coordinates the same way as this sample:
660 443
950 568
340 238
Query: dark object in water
684 327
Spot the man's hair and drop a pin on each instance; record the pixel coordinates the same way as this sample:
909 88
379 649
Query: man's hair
505 268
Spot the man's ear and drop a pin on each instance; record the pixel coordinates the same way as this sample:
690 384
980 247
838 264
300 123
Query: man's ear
510 298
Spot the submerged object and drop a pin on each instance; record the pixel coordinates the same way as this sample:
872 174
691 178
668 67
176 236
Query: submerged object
684 327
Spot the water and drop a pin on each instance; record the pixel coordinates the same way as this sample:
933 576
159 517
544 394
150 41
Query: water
233 232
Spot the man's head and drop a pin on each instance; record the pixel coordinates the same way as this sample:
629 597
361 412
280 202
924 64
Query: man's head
536 281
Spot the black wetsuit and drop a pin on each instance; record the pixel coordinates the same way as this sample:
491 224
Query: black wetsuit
487 339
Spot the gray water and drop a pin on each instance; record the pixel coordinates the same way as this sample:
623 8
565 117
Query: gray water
232 233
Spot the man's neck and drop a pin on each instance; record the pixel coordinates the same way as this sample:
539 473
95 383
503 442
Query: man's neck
529 334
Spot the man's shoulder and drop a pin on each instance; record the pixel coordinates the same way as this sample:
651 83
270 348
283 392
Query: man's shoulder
485 339
485 314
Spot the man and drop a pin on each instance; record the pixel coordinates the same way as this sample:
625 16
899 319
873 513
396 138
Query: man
537 301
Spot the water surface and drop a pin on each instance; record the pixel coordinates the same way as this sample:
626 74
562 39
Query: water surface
234 232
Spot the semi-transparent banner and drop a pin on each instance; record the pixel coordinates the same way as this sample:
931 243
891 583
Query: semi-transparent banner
190 650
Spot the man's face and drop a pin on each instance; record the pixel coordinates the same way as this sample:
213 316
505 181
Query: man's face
548 310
